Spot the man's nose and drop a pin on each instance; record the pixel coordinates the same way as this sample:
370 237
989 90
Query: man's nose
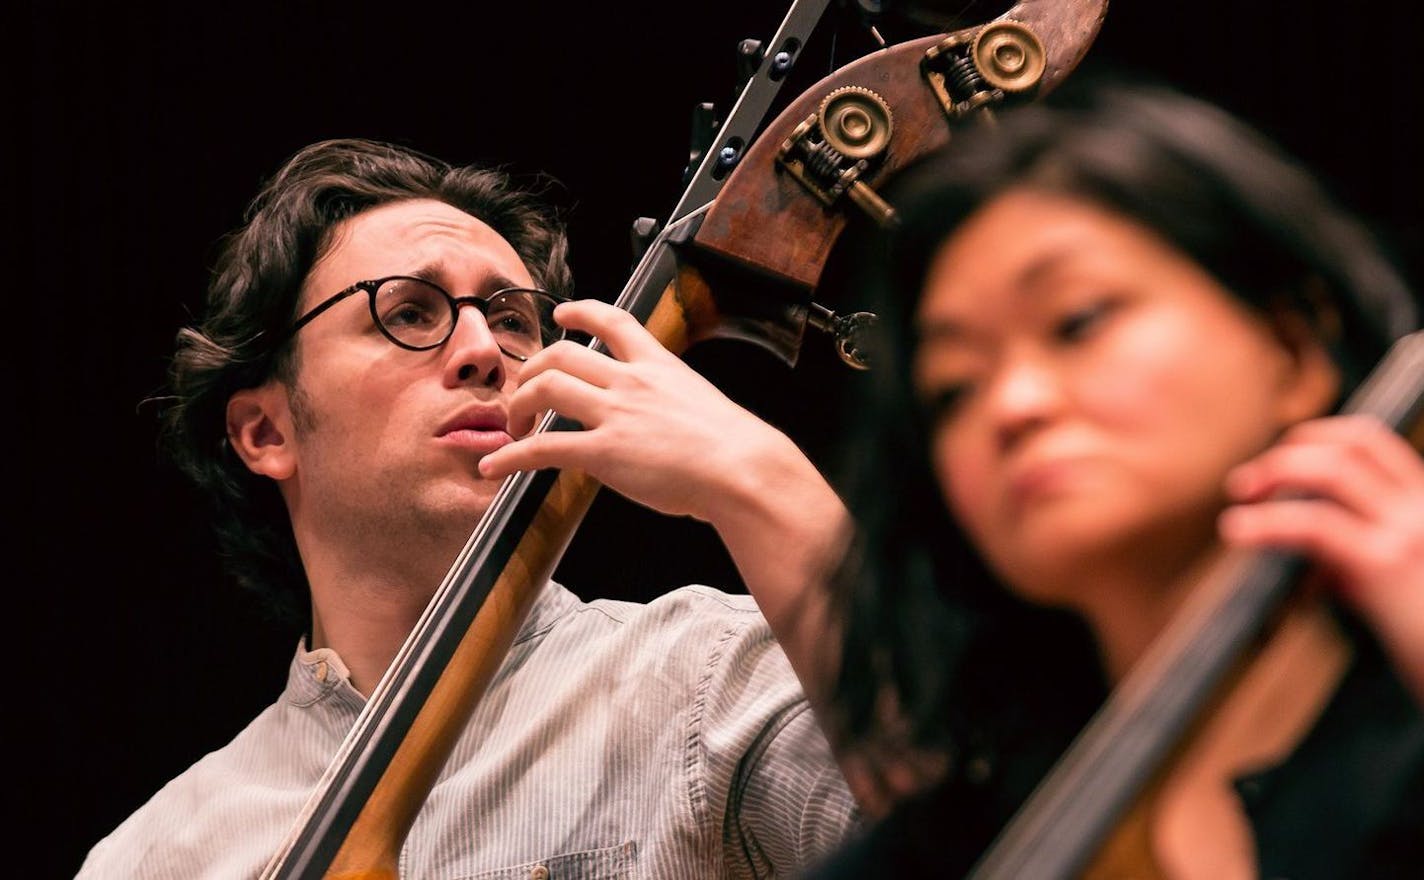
471 354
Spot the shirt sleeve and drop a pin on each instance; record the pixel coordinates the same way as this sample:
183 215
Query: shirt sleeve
793 807
786 804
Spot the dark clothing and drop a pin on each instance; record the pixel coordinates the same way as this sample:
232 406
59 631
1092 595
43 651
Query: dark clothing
1347 803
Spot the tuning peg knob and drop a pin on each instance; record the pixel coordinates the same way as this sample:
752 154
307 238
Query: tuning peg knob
749 56
1009 56
704 129
641 236
856 121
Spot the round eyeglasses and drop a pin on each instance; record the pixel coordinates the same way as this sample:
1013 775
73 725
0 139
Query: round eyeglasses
419 315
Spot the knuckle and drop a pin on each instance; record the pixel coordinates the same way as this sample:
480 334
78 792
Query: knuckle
1383 549
1362 433
561 352
536 386
557 382
533 394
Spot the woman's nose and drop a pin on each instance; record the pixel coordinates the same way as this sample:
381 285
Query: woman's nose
1025 393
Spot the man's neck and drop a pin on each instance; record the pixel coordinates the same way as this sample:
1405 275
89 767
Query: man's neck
366 631
365 613
369 587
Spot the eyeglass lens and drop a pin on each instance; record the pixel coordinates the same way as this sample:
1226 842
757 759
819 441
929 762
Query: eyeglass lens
422 316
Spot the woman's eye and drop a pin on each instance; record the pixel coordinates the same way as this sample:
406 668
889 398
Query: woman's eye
946 400
1078 323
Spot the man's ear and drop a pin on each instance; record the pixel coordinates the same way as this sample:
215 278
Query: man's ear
1311 381
259 428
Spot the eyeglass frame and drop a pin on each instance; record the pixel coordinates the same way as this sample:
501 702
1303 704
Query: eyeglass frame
372 285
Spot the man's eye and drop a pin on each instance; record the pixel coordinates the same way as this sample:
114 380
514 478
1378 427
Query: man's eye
511 322
408 314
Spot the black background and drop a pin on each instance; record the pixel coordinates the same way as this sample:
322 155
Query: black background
147 128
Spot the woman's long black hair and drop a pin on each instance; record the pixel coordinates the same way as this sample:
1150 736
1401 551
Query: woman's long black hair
937 655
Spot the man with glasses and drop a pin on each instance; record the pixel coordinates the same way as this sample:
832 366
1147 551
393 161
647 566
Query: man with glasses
378 335
418 314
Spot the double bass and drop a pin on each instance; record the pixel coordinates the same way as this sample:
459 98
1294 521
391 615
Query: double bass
710 271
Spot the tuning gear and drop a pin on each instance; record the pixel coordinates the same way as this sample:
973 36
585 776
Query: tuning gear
978 70
835 147
851 333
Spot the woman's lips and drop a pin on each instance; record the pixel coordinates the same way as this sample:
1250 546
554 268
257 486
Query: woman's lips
1042 479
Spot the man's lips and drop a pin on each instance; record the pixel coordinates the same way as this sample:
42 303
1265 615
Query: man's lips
477 440
480 431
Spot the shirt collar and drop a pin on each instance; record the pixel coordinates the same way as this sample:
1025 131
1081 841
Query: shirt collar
316 674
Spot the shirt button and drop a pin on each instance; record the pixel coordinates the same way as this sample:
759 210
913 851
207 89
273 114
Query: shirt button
321 670
538 872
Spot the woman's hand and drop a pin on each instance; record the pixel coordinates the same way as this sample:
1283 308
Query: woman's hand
1348 493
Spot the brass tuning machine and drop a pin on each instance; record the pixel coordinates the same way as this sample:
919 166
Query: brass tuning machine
835 148
851 333
969 72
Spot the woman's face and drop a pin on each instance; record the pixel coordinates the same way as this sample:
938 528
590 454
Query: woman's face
1092 386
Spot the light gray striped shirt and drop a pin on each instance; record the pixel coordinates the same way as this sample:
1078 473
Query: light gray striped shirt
665 740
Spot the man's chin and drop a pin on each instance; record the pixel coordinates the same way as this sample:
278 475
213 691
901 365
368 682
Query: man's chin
466 501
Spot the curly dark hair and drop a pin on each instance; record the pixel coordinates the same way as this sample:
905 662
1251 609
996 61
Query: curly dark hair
929 630
251 301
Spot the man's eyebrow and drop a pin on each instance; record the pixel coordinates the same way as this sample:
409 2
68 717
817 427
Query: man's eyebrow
432 272
437 274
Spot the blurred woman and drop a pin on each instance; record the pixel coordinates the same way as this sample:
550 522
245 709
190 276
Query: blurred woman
1114 325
